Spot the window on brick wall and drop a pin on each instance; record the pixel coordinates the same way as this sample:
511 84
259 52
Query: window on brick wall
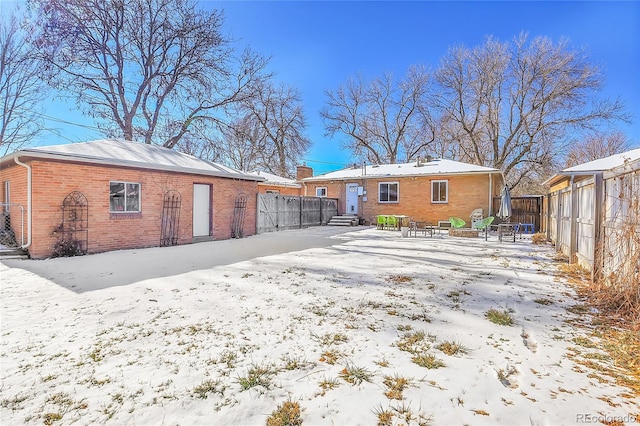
388 192
124 197
321 191
439 191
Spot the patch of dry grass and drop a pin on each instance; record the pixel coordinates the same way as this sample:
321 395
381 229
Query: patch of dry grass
539 238
451 347
286 414
499 317
616 325
400 279
395 386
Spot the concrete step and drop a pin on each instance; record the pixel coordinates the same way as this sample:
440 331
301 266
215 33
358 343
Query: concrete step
331 223
346 220
13 253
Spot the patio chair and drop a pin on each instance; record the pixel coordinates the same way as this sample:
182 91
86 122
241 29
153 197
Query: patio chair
484 225
382 221
456 222
392 222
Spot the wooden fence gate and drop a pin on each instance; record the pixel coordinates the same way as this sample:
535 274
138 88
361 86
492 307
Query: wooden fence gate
278 212
525 210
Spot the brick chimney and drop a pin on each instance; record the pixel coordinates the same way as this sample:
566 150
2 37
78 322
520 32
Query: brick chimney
303 172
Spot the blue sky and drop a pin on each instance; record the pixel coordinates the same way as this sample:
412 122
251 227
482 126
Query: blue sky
317 45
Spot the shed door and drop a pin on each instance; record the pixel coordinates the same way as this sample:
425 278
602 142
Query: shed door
201 210
352 198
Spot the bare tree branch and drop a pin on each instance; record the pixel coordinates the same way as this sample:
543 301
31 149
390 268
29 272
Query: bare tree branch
509 105
383 121
21 89
145 69
596 145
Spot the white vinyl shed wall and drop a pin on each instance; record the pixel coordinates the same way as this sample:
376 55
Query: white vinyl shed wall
589 221
621 220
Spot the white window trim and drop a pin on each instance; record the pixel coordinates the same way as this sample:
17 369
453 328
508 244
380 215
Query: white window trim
397 192
446 201
125 211
323 188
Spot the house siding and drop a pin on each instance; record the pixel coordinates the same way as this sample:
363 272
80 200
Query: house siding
52 181
466 193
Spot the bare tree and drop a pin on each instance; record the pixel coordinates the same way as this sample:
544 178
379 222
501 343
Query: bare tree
383 121
595 146
276 128
267 133
512 105
21 89
146 69
243 144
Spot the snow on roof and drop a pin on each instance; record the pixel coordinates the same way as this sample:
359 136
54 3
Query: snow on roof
134 154
435 167
606 163
274 179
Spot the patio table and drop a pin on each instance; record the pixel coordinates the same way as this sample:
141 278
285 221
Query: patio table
507 230
399 218
424 227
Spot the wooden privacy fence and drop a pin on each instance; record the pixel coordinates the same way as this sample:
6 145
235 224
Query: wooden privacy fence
596 221
525 210
278 212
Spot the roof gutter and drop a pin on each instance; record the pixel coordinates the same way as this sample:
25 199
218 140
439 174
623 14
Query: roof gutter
29 178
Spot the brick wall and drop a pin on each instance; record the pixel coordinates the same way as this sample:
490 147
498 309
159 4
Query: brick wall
17 195
284 190
466 193
52 181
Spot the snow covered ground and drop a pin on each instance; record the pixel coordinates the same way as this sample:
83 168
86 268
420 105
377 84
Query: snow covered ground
375 325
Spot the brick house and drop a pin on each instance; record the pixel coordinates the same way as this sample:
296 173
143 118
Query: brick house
274 184
424 190
108 195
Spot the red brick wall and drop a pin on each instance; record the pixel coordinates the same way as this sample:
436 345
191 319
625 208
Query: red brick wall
52 181
466 193
284 190
335 189
17 177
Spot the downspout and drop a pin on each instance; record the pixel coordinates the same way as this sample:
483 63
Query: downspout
28 167
490 195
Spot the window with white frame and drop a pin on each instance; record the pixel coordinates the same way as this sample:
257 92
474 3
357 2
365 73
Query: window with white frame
124 197
439 191
321 191
388 192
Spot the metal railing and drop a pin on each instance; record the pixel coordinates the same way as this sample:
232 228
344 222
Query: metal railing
8 226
